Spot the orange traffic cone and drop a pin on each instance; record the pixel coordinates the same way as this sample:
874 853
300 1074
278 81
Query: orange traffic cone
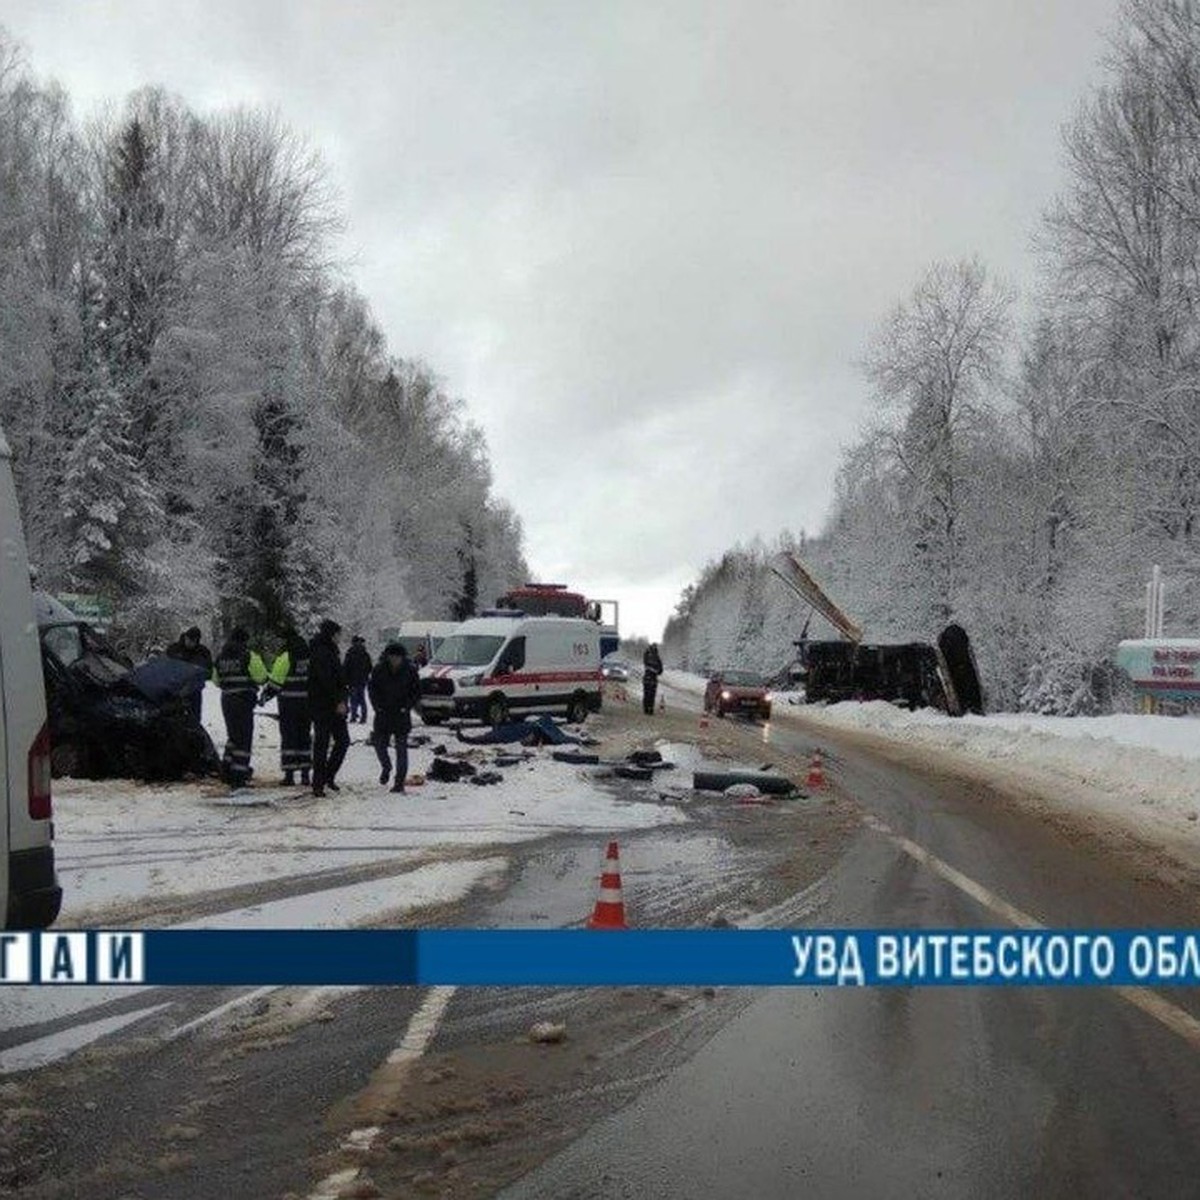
816 774
609 912
662 704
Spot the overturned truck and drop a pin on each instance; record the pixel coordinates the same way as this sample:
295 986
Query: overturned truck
915 674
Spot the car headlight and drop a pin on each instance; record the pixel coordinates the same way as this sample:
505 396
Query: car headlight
471 680
726 695
768 698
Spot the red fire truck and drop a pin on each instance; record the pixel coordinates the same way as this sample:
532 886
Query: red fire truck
557 600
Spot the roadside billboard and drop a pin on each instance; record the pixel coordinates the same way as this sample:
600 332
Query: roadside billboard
1165 667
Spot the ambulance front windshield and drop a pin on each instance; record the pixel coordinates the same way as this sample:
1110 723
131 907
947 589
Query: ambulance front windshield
467 650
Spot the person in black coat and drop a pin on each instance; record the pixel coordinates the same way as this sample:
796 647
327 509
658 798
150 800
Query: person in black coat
395 691
652 668
191 649
358 671
327 705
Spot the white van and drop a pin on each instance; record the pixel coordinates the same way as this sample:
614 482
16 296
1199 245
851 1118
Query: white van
29 893
426 636
493 666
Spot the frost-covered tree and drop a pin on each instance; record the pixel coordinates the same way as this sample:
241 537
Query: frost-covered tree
107 506
206 419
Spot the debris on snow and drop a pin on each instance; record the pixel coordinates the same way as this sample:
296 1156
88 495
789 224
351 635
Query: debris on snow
548 1033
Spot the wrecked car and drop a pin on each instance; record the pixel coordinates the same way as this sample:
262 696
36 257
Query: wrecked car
110 719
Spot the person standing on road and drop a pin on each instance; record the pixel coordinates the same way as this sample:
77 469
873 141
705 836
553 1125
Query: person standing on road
395 690
289 681
327 704
191 649
358 672
239 671
652 668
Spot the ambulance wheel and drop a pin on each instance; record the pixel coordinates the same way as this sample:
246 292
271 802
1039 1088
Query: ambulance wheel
578 709
497 711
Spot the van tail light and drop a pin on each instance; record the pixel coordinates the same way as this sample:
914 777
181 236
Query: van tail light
39 776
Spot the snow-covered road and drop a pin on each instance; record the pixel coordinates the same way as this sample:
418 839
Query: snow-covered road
180 855
119 843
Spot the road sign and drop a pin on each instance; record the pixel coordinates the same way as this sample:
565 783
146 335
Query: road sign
95 609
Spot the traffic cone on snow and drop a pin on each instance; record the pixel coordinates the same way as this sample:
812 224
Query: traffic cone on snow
816 774
609 912
662 704
704 720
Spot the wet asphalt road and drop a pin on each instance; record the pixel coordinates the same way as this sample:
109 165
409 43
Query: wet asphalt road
942 1092
938 1092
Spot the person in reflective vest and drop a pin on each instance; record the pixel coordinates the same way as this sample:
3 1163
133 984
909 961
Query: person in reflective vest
289 681
238 672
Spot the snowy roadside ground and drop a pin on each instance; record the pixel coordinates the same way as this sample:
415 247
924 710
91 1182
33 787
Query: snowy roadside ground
685 681
329 908
1141 773
123 843
119 842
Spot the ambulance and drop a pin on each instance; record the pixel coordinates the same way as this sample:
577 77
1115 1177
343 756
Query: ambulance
506 664
29 893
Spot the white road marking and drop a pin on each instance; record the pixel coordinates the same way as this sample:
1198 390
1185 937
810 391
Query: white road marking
1174 1018
45 1050
422 1027
221 1010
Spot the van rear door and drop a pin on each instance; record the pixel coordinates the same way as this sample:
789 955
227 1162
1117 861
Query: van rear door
30 888
5 835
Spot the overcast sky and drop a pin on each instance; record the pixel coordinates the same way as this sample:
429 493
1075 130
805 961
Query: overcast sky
647 242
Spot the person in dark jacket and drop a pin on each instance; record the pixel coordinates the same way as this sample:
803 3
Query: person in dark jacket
327 704
358 672
395 690
289 681
191 649
652 668
238 672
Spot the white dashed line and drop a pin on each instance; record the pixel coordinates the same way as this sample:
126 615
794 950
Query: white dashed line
1174 1018
422 1028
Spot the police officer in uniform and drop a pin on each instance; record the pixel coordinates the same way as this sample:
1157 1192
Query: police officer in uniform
652 668
289 681
239 671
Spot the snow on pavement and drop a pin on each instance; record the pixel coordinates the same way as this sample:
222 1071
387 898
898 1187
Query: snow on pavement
328 908
118 842
123 843
41 1052
1139 772
357 903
